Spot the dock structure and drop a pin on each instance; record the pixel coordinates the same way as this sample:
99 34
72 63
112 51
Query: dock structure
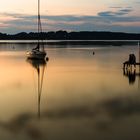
130 71
127 64
132 60
137 64
131 74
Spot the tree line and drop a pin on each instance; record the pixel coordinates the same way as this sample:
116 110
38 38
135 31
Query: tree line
64 35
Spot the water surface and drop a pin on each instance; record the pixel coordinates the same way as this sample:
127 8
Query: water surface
83 96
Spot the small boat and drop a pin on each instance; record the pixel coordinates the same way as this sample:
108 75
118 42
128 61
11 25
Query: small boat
38 52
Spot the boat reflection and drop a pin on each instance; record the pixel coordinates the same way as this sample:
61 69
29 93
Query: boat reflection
39 65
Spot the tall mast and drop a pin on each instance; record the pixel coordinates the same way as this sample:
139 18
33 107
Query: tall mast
38 18
39 26
38 14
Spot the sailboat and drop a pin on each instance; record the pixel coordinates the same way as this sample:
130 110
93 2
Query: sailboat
38 52
39 66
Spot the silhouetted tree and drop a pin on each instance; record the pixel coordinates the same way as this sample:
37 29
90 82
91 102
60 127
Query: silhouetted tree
63 35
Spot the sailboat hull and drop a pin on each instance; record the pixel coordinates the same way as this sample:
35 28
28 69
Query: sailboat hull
39 55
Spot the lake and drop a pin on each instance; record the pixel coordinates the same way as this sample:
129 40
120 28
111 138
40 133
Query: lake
74 96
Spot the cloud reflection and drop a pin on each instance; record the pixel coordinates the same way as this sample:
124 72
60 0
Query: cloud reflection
104 114
114 107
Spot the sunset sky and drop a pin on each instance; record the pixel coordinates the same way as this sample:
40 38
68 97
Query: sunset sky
71 15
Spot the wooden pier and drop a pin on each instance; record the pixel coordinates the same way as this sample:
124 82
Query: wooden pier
128 64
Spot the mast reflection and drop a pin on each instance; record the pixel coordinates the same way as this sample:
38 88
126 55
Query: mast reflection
39 65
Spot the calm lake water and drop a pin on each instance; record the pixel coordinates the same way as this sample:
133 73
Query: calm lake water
82 97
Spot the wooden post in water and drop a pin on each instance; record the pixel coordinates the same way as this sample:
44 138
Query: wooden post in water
139 64
139 55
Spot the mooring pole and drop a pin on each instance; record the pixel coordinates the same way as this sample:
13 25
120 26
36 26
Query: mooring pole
139 54
139 64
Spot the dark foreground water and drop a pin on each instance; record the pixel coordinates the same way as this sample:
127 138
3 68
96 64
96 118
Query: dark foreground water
74 96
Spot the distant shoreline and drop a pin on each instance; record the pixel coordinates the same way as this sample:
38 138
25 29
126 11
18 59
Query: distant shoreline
74 42
86 36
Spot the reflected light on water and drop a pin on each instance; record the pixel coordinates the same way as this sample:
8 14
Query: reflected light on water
82 96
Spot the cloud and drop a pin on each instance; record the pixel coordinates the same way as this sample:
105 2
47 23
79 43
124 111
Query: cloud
120 12
105 21
137 2
115 7
106 13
